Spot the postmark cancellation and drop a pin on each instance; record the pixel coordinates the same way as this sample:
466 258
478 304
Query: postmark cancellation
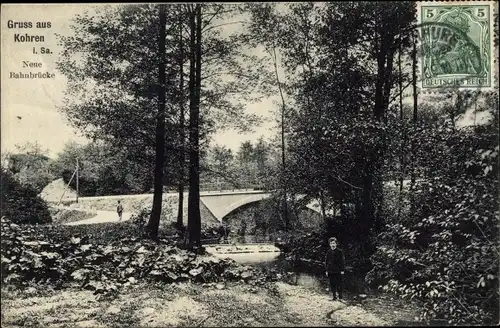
456 45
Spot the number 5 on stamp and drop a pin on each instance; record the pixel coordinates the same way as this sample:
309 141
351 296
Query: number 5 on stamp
456 45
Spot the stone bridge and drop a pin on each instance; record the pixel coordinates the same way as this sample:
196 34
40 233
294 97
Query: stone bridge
223 203
219 203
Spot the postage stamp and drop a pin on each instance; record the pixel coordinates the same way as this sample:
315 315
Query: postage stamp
456 45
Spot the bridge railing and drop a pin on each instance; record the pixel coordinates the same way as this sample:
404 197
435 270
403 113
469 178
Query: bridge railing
213 187
218 187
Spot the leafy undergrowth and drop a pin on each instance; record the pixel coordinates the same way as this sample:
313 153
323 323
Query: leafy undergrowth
60 256
390 307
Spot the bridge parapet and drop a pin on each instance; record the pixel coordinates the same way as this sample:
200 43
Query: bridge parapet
234 192
220 186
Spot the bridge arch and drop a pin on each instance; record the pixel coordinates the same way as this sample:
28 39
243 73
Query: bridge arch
242 202
314 206
222 204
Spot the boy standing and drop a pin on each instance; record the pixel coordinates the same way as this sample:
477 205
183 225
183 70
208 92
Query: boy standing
119 210
334 264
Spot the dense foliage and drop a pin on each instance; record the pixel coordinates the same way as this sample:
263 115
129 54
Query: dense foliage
446 251
253 165
30 165
353 140
34 170
20 203
103 170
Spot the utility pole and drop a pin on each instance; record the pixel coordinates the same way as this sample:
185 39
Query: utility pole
66 188
77 172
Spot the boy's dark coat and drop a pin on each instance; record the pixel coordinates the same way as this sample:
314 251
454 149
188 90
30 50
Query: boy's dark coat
334 261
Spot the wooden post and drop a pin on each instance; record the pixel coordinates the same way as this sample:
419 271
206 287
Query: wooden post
66 188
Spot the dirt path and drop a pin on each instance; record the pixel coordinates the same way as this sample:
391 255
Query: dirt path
103 216
186 304
321 310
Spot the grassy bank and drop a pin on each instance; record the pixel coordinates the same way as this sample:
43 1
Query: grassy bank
61 215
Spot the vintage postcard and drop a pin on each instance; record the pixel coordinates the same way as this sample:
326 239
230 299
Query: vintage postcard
249 164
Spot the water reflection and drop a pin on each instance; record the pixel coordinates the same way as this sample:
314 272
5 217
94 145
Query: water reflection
257 259
277 262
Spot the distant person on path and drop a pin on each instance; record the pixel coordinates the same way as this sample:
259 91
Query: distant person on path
222 230
119 210
334 263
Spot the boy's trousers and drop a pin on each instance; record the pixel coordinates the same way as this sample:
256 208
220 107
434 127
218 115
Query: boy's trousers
335 283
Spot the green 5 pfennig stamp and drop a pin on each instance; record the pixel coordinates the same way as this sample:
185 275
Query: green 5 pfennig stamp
456 45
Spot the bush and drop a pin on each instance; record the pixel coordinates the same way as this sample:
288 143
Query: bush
20 203
31 169
446 252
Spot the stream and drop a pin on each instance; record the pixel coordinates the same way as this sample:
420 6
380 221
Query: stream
277 262
312 281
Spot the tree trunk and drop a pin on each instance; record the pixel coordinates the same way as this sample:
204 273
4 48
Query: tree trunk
412 141
403 134
367 218
401 118
372 180
283 164
322 204
194 218
154 220
378 109
415 109
198 101
182 137
368 211
378 181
